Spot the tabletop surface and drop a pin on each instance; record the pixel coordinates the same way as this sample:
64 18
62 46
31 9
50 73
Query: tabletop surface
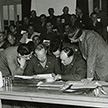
32 94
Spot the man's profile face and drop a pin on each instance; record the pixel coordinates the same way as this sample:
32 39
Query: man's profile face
65 60
26 57
41 55
57 53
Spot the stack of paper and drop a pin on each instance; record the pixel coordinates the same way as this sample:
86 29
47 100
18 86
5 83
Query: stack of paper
26 81
51 85
47 77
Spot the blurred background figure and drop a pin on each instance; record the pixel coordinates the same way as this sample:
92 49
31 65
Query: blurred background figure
97 25
65 17
15 33
83 18
3 42
11 39
34 20
51 16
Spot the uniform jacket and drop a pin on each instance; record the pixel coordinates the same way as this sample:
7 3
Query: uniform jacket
34 67
75 71
95 50
8 62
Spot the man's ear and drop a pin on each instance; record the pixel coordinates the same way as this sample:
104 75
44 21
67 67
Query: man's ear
19 54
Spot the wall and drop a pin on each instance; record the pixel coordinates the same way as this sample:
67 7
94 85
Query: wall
41 6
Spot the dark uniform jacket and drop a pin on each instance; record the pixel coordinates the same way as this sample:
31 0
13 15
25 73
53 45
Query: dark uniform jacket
34 67
75 71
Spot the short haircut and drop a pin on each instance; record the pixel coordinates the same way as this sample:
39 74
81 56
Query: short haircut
51 9
40 47
24 49
55 45
35 36
68 51
42 15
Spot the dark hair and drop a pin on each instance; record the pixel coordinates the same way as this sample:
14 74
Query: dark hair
40 46
55 45
33 11
31 45
51 9
43 15
24 49
35 36
68 51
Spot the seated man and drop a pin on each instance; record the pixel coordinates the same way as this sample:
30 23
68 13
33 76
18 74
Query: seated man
41 63
29 35
13 59
50 34
74 67
15 33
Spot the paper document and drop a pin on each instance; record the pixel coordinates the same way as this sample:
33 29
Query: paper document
23 77
47 77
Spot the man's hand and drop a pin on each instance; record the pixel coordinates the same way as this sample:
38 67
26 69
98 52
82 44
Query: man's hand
22 62
57 77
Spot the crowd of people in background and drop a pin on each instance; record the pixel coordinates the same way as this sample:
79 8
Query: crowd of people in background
49 36
71 46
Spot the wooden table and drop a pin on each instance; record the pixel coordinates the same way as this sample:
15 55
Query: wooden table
31 94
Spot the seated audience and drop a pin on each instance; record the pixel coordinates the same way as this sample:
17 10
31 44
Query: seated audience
13 59
29 35
74 67
41 63
94 50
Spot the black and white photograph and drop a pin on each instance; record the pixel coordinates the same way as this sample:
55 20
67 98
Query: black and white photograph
53 53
